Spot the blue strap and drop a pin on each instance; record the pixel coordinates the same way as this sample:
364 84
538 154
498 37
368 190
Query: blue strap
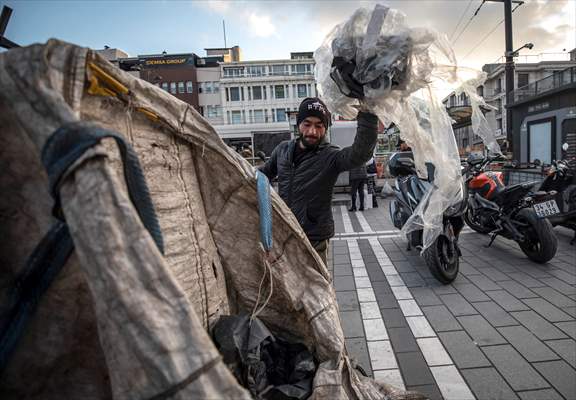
265 207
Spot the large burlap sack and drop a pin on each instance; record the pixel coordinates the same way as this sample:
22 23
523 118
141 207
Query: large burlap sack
122 320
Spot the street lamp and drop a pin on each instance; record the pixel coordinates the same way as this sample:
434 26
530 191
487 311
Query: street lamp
514 53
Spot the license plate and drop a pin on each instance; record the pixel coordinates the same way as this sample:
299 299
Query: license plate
546 208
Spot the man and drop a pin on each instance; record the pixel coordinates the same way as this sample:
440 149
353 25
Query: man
402 145
358 178
307 168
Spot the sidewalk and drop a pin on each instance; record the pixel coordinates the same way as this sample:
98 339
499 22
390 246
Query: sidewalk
504 329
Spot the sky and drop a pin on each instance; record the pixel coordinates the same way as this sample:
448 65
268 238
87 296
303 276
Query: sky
274 28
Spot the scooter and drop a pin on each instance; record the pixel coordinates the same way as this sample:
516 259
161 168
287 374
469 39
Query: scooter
514 212
561 209
443 256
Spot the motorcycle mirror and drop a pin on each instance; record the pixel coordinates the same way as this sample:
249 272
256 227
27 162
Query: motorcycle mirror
565 147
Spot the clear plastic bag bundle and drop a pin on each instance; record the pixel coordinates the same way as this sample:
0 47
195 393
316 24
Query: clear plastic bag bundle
399 73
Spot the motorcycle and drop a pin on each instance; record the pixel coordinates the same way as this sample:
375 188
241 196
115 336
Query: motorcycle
561 209
514 212
443 256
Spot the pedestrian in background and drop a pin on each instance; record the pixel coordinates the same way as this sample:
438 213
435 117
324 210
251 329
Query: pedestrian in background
358 178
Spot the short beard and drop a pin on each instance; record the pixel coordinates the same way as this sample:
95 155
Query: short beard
309 146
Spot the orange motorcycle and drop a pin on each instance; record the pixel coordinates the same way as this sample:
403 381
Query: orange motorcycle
513 212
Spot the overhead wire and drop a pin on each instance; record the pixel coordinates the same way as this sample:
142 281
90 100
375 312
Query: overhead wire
469 22
488 34
460 20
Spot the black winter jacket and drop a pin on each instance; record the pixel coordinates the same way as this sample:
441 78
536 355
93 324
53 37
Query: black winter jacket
307 188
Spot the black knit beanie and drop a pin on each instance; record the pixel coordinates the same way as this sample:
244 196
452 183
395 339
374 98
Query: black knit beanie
313 107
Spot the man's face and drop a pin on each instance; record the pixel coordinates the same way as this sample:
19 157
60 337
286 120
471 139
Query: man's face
312 130
403 147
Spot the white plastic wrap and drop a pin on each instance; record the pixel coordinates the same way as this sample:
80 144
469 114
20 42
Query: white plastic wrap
402 72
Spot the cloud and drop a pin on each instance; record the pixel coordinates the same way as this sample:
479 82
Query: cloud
217 6
261 25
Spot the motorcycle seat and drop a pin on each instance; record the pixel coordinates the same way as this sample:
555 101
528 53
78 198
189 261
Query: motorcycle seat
513 192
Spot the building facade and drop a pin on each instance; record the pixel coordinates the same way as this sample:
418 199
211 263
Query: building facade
526 74
256 97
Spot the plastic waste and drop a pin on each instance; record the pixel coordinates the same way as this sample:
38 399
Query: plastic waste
374 60
269 367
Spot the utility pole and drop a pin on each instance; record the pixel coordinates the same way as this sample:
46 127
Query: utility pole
509 66
509 70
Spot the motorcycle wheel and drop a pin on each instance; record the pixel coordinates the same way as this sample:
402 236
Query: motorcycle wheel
442 259
541 242
469 218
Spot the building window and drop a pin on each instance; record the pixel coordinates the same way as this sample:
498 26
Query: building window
464 143
499 124
165 86
259 116
215 87
256 92
233 72
498 86
256 70
279 92
480 91
213 111
236 117
234 94
301 69
452 100
181 88
302 90
278 70
280 114
206 87
522 80
173 87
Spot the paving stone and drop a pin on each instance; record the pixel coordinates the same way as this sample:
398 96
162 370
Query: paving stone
487 384
370 310
495 314
526 280
403 266
494 274
568 327
344 283
441 319
464 352
483 282
517 290
434 352
342 270
570 310
468 270
565 348
560 375
420 327
458 305
527 344
412 279
390 376
534 272
402 340
507 301
543 329
554 297
347 301
547 310
381 287
358 350
471 292
409 308
425 296
386 300
365 295
560 286
517 372
382 355
543 394
414 369
430 391
375 273
451 384
401 292
564 276
352 324
375 329
393 318
439 288
481 331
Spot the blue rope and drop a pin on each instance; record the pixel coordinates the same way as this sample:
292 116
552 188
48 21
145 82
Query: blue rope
265 207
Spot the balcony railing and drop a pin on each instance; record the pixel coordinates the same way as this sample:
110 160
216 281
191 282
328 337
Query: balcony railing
555 81
264 75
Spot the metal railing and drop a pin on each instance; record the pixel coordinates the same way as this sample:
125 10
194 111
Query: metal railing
555 81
